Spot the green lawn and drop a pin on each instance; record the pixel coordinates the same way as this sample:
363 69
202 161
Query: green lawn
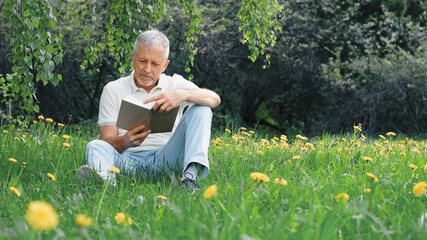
300 200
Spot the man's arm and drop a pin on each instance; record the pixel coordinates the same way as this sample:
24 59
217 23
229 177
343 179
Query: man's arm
133 137
169 100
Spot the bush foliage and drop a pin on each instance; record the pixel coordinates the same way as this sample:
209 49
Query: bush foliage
333 64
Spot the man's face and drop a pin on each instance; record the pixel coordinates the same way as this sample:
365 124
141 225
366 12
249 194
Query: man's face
148 64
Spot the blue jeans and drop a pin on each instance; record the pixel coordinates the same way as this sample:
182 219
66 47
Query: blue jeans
188 144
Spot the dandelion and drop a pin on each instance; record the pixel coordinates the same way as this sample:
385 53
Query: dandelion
243 128
217 141
41 216
257 176
67 145
35 122
60 124
132 184
12 160
391 134
16 138
413 166
83 221
284 145
51 176
251 132
41 117
381 136
342 196
296 157
210 191
300 137
162 197
227 130
122 219
358 128
310 146
367 190
372 177
367 159
5 131
259 152
114 169
362 137
419 188
15 190
66 137
49 120
281 181
416 150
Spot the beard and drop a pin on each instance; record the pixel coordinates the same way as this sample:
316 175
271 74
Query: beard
145 83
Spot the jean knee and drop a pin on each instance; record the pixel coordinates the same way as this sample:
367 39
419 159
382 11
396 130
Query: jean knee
201 110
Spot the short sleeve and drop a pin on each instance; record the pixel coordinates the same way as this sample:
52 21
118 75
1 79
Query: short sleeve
108 108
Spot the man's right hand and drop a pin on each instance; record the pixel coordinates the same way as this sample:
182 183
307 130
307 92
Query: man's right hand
133 137
136 136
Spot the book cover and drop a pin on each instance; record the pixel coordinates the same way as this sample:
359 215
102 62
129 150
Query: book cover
134 112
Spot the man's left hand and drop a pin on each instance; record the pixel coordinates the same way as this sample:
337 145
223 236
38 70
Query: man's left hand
169 100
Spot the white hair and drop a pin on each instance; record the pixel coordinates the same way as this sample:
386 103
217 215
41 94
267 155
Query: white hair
152 39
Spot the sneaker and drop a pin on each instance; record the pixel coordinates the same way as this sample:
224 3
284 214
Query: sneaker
190 185
87 174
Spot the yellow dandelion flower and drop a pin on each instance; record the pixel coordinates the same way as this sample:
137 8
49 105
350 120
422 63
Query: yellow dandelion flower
114 169
296 157
217 141
15 190
41 216
367 159
67 145
49 120
242 128
357 128
281 181
66 137
227 130
122 219
310 146
235 137
284 145
210 191
342 196
419 188
381 136
41 117
300 137
413 166
35 122
339 150
367 190
51 176
303 149
416 150
362 137
259 152
60 124
162 197
16 138
227 145
132 184
83 221
5 131
257 176
372 177
24 163
391 134
251 132
12 160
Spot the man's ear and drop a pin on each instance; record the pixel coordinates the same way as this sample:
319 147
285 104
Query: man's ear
166 65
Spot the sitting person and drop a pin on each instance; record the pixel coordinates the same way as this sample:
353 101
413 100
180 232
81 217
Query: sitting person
138 151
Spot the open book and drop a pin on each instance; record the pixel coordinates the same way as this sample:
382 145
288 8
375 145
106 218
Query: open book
133 112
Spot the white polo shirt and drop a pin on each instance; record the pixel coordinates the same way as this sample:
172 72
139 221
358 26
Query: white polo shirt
115 91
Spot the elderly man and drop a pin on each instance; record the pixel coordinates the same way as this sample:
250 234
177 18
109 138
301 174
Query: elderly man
138 151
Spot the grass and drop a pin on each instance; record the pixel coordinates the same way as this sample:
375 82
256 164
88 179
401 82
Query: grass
316 170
